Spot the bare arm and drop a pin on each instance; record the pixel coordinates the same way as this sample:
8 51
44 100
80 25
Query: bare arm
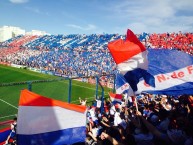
93 137
80 100
150 127
111 139
134 121
105 124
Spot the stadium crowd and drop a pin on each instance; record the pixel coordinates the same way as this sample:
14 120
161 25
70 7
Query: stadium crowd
155 120
180 41
80 55
147 120
152 120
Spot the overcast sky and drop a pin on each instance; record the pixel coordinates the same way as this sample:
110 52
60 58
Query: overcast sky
98 16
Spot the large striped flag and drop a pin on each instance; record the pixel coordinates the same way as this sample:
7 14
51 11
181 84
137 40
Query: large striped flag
43 121
131 58
172 70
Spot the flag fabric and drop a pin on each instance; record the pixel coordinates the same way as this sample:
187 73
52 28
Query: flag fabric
172 70
115 98
130 56
4 133
122 87
43 121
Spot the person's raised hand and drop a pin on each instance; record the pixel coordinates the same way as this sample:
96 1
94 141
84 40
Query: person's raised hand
138 113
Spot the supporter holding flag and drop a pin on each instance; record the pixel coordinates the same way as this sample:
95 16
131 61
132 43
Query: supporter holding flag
12 137
130 57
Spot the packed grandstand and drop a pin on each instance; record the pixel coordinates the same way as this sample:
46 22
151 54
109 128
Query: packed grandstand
80 55
158 120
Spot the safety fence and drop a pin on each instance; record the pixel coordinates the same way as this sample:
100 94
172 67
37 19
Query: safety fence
63 89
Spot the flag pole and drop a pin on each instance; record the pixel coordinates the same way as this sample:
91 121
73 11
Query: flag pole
137 109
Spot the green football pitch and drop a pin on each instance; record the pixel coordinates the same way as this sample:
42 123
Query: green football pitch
57 89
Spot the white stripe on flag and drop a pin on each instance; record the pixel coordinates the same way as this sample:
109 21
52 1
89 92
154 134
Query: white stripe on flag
164 81
118 100
137 61
34 119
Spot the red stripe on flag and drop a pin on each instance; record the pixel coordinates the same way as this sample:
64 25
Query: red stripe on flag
133 38
5 129
115 96
124 50
28 98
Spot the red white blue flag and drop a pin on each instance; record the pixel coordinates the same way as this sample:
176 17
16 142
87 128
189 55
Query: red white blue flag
130 55
116 98
43 121
172 70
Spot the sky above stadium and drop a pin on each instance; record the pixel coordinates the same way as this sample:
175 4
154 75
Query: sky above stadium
98 16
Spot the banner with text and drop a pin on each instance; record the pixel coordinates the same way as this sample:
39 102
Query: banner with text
173 72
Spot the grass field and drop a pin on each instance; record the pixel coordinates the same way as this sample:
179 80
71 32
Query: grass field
9 95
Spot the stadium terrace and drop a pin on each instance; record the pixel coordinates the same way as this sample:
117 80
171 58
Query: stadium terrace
144 119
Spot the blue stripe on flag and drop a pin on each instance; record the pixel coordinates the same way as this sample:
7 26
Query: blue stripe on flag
4 135
133 77
61 137
164 61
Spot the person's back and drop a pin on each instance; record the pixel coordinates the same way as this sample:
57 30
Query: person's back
144 139
143 136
